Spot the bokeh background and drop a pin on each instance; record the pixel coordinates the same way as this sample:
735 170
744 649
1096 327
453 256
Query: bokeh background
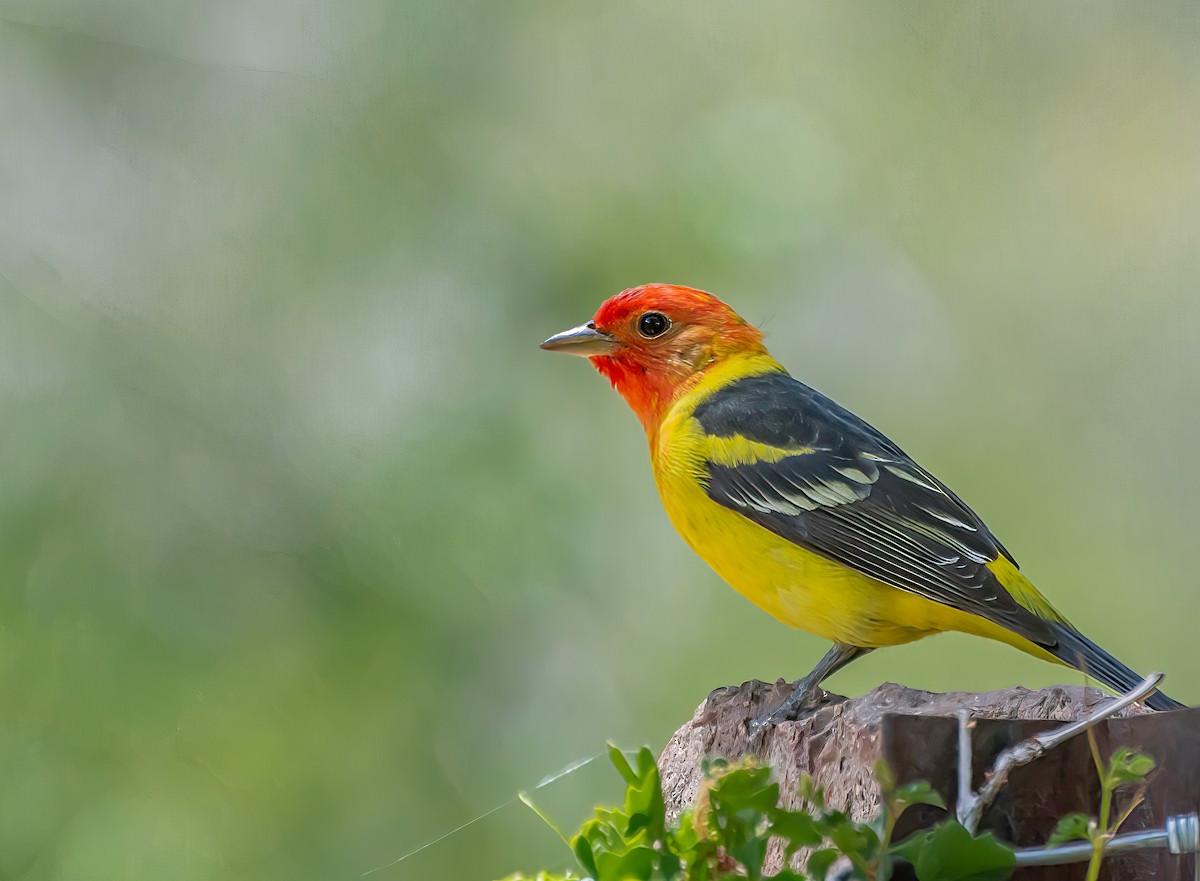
308 555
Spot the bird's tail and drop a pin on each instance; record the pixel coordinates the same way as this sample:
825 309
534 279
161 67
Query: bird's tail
1081 653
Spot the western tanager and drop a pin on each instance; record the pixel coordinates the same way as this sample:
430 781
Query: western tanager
804 508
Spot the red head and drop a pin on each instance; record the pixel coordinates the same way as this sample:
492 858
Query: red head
655 341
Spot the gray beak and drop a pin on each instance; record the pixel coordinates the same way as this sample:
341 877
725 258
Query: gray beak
584 340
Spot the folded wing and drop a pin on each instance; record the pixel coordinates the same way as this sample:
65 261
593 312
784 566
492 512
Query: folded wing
827 481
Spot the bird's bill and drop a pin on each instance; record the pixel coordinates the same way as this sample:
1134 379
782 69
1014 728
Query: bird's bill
584 340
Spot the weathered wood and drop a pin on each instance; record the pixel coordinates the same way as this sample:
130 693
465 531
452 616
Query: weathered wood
916 732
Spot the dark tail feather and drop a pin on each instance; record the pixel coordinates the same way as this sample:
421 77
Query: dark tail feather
1081 653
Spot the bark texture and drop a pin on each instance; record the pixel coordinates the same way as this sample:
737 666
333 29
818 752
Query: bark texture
915 731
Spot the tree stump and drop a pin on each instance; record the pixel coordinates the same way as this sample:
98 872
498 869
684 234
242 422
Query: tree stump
916 733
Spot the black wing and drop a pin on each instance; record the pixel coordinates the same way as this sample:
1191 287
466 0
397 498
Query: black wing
841 489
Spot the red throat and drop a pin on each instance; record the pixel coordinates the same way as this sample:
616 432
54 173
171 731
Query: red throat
647 393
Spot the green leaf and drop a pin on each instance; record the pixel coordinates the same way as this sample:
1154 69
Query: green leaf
1072 827
745 788
917 793
637 863
738 803
637 822
605 831
584 854
796 828
528 802
713 767
1127 766
751 853
819 862
852 838
621 763
644 799
948 852
811 793
669 867
684 837
697 859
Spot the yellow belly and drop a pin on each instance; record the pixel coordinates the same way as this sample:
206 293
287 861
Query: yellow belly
808 591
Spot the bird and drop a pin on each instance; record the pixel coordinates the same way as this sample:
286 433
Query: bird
803 507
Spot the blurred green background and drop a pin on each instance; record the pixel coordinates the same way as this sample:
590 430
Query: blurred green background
309 555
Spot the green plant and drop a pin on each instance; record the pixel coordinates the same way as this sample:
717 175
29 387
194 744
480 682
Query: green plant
737 814
1124 768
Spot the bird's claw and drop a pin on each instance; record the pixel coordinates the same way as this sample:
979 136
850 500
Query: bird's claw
804 696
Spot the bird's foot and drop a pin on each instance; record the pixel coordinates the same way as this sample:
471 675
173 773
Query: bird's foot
806 695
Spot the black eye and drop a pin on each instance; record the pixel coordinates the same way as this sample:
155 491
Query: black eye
653 324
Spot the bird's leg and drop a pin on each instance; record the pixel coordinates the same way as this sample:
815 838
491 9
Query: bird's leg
807 692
